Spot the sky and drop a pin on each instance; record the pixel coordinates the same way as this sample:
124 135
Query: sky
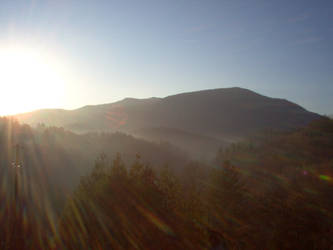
93 52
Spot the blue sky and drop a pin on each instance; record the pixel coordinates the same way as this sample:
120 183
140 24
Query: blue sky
118 49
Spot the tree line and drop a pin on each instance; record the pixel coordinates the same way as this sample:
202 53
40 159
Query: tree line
272 191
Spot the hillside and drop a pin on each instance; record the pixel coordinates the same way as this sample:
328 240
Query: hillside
266 193
223 114
52 162
283 180
62 157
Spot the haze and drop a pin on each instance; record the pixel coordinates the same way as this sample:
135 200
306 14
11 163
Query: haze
166 124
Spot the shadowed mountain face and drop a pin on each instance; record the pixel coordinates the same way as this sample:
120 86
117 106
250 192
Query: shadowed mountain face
219 113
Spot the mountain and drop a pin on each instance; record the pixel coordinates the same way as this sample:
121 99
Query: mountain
222 114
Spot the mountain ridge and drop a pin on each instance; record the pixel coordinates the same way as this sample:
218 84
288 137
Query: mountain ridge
222 113
126 99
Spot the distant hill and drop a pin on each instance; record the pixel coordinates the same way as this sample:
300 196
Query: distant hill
222 114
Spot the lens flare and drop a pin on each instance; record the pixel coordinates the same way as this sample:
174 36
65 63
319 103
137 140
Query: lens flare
30 79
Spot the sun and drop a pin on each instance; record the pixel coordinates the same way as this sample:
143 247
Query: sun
30 79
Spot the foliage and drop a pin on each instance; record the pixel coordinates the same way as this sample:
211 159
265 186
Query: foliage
272 191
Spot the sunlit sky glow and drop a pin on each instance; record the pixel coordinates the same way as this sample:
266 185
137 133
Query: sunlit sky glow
66 54
32 79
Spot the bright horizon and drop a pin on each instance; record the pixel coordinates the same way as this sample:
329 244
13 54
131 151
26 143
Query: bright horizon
68 55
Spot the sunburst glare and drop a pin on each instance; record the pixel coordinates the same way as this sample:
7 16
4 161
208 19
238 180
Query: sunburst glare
30 79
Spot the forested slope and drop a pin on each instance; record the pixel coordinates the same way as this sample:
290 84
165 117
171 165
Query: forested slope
52 161
271 192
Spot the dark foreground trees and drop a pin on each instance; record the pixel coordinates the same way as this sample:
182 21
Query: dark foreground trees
272 194
135 208
116 208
